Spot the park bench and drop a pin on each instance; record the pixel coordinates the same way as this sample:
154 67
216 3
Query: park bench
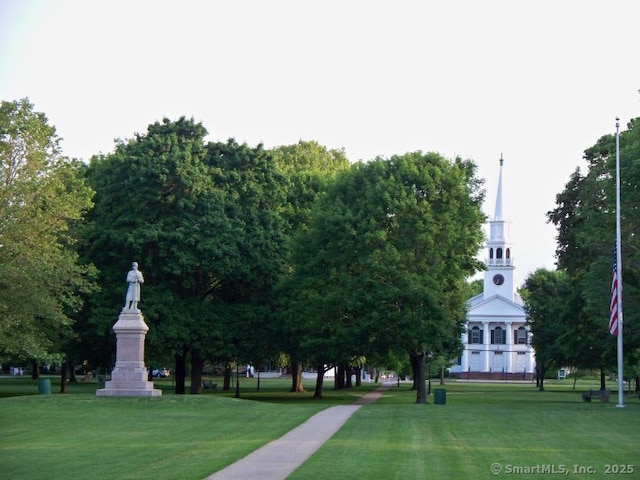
209 385
603 395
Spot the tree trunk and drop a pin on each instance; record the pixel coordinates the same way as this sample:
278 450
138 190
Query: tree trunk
226 378
64 373
72 372
237 395
196 373
296 378
300 386
637 383
358 376
603 385
293 368
542 371
413 359
348 370
35 370
180 372
340 374
421 387
319 380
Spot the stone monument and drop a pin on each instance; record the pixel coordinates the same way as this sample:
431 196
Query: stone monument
129 377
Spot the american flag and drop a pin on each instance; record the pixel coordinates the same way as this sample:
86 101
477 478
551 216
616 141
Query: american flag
613 308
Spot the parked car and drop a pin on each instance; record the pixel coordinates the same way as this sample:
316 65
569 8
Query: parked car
160 372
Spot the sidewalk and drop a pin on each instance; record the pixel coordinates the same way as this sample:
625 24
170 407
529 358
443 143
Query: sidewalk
279 458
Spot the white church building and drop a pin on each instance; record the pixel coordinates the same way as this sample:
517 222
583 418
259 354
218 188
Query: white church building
496 339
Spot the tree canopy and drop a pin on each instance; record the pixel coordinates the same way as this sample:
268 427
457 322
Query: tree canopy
584 216
383 265
203 220
551 303
42 195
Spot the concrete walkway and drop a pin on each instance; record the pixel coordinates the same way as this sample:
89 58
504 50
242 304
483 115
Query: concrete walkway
279 458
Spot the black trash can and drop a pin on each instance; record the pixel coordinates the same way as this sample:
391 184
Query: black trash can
44 386
439 396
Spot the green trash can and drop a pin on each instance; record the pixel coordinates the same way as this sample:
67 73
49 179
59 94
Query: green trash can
44 386
439 396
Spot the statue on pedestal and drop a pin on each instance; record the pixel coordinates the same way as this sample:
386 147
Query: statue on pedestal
129 377
134 279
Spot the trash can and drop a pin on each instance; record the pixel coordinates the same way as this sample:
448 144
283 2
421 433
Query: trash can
44 386
439 396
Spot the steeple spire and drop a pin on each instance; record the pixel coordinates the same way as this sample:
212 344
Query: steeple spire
497 215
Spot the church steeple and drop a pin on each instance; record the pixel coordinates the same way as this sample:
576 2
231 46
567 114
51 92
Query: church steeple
499 276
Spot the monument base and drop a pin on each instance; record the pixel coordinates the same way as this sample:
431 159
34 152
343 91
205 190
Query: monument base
135 391
129 377
129 381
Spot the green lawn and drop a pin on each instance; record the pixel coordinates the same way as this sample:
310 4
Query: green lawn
514 429
79 435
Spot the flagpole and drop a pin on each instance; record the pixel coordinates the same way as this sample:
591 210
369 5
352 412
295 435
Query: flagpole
619 271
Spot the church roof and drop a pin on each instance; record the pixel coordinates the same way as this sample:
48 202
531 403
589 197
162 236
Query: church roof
493 306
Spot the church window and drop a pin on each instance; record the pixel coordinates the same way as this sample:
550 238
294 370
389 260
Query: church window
499 253
475 335
498 336
520 336
491 253
508 253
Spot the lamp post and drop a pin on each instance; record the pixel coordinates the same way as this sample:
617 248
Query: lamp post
429 356
237 380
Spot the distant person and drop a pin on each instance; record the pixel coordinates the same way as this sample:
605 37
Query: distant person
134 279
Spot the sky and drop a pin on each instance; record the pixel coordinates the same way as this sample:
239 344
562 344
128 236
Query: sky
537 82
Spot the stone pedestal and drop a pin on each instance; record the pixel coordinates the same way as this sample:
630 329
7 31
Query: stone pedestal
129 377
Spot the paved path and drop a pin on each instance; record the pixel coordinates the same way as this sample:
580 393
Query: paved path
279 458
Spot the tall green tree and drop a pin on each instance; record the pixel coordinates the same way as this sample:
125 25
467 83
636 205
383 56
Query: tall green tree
308 169
584 217
255 192
156 203
551 305
384 263
202 219
42 195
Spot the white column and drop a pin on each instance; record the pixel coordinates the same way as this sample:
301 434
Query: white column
531 357
486 340
509 344
464 361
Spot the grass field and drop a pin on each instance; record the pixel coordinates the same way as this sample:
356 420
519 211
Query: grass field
482 428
